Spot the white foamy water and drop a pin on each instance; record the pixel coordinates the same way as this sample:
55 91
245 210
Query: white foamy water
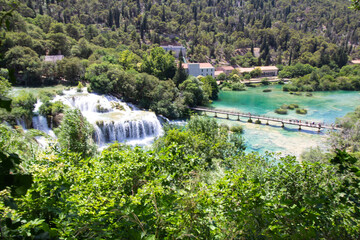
113 120
39 122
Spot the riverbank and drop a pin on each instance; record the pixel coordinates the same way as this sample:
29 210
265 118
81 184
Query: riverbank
322 107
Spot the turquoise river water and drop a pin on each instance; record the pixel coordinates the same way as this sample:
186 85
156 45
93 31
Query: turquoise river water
321 107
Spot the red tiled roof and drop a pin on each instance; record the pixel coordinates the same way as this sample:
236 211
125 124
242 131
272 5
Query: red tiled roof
263 68
205 65
217 73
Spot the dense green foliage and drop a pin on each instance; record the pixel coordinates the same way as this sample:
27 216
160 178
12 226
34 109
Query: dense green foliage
75 133
348 138
195 182
108 43
284 31
321 79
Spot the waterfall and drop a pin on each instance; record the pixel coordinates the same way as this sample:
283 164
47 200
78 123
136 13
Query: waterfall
39 122
114 120
90 102
21 122
110 131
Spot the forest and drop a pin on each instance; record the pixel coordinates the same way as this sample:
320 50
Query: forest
113 46
196 181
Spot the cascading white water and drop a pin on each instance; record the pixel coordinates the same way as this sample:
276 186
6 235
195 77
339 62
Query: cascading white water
113 120
21 122
126 130
39 122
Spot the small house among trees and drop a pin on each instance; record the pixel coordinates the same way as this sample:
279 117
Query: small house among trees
53 58
199 69
266 71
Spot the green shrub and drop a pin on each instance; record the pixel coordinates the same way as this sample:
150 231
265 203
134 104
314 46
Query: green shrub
284 106
46 96
225 126
265 81
250 120
301 111
293 106
237 129
226 89
49 108
281 111
238 87
59 92
80 87
258 121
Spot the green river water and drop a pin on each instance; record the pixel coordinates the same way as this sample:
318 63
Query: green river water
322 107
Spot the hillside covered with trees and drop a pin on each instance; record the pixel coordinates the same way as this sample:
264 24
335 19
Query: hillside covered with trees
113 44
285 31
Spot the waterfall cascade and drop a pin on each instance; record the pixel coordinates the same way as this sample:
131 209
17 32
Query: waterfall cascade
39 122
113 120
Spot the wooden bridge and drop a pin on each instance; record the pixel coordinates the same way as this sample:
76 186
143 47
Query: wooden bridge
299 123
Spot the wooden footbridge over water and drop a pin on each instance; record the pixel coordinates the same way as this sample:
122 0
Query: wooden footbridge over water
250 117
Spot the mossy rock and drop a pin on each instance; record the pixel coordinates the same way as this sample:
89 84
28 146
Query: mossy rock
284 106
298 93
100 123
267 90
293 106
301 111
118 106
309 94
281 111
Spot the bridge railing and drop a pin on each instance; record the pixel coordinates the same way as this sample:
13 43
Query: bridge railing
285 120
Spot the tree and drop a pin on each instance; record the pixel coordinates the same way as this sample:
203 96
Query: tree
210 87
104 77
348 138
180 75
193 93
355 4
60 44
75 133
25 62
159 63
129 60
256 73
71 69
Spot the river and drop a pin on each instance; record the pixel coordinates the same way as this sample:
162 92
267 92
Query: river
321 107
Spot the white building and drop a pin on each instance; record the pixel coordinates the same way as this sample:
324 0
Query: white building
53 58
199 69
266 71
175 49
